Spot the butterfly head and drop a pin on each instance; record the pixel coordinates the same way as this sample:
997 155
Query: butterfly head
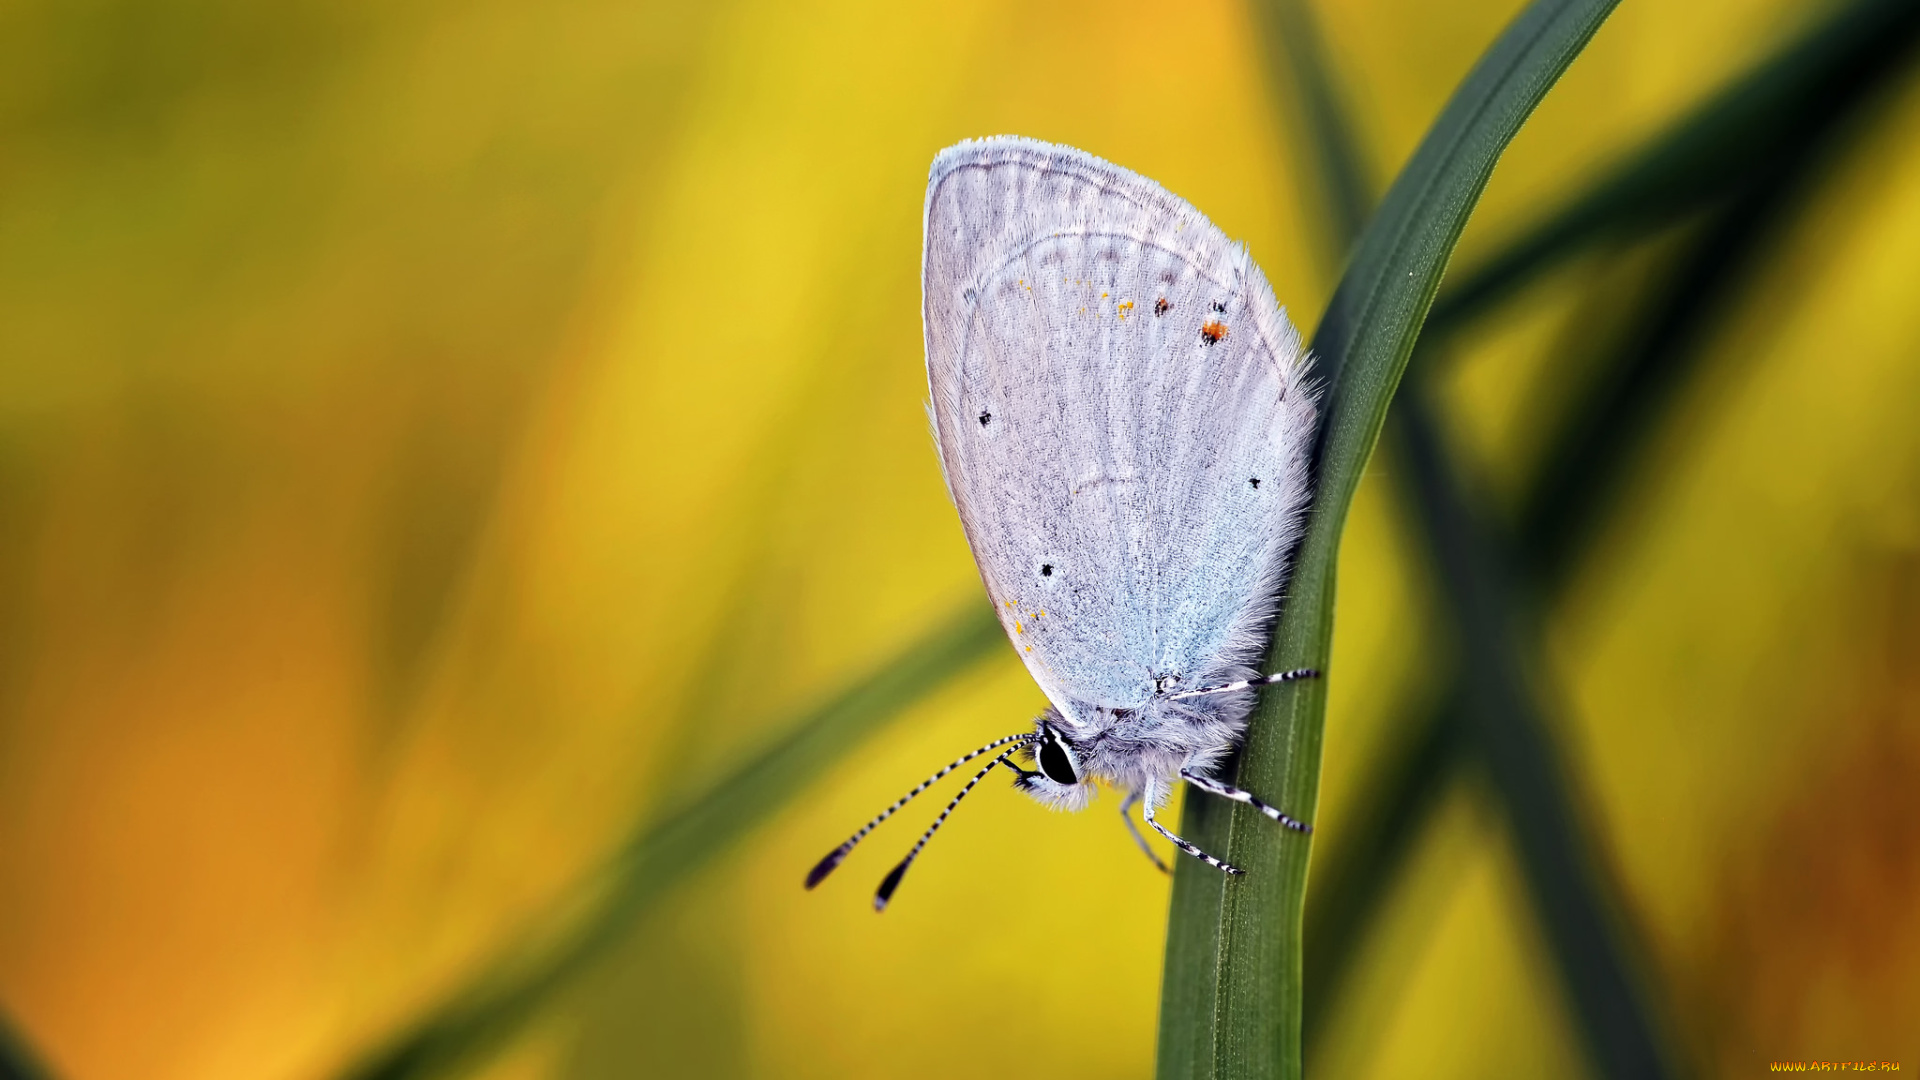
1058 777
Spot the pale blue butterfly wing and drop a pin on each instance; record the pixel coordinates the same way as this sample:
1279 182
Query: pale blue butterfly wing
1123 415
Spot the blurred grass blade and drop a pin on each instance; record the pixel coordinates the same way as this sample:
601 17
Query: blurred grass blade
1587 461
1230 1004
1569 893
1353 878
17 1059
1845 63
1295 47
666 852
1583 470
1767 115
1647 370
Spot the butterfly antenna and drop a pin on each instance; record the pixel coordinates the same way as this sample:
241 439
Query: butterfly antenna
892 881
1247 684
826 866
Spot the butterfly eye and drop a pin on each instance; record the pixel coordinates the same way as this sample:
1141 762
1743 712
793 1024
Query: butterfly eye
1055 763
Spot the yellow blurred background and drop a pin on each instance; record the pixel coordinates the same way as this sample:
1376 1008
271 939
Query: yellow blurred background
437 438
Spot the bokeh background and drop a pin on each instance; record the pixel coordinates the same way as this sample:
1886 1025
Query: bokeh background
438 441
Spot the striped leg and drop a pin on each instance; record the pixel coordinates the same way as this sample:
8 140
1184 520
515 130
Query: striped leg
1215 787
892 881
826 866
1190 849
1126 815
1249 684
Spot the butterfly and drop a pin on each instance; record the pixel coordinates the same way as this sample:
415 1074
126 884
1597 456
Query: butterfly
1124 417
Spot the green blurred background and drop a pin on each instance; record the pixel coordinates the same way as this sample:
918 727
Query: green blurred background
438 440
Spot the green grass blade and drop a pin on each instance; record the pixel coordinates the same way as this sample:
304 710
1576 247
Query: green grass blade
1230 1005
665 853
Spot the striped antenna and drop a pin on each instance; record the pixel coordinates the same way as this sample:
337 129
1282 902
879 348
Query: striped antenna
826 866
892 881
1248 684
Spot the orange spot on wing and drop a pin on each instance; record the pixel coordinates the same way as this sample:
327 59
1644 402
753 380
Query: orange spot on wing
1213 332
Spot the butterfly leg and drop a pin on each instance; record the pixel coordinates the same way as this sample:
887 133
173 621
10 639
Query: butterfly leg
1147 812
1126 815
1022 778
1249 684
1227 791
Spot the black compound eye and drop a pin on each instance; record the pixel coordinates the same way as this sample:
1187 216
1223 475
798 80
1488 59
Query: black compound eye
1055 763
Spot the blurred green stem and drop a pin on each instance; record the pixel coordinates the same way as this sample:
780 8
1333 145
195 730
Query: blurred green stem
18 1060
1569 892
667 851
1767 116
1350 879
